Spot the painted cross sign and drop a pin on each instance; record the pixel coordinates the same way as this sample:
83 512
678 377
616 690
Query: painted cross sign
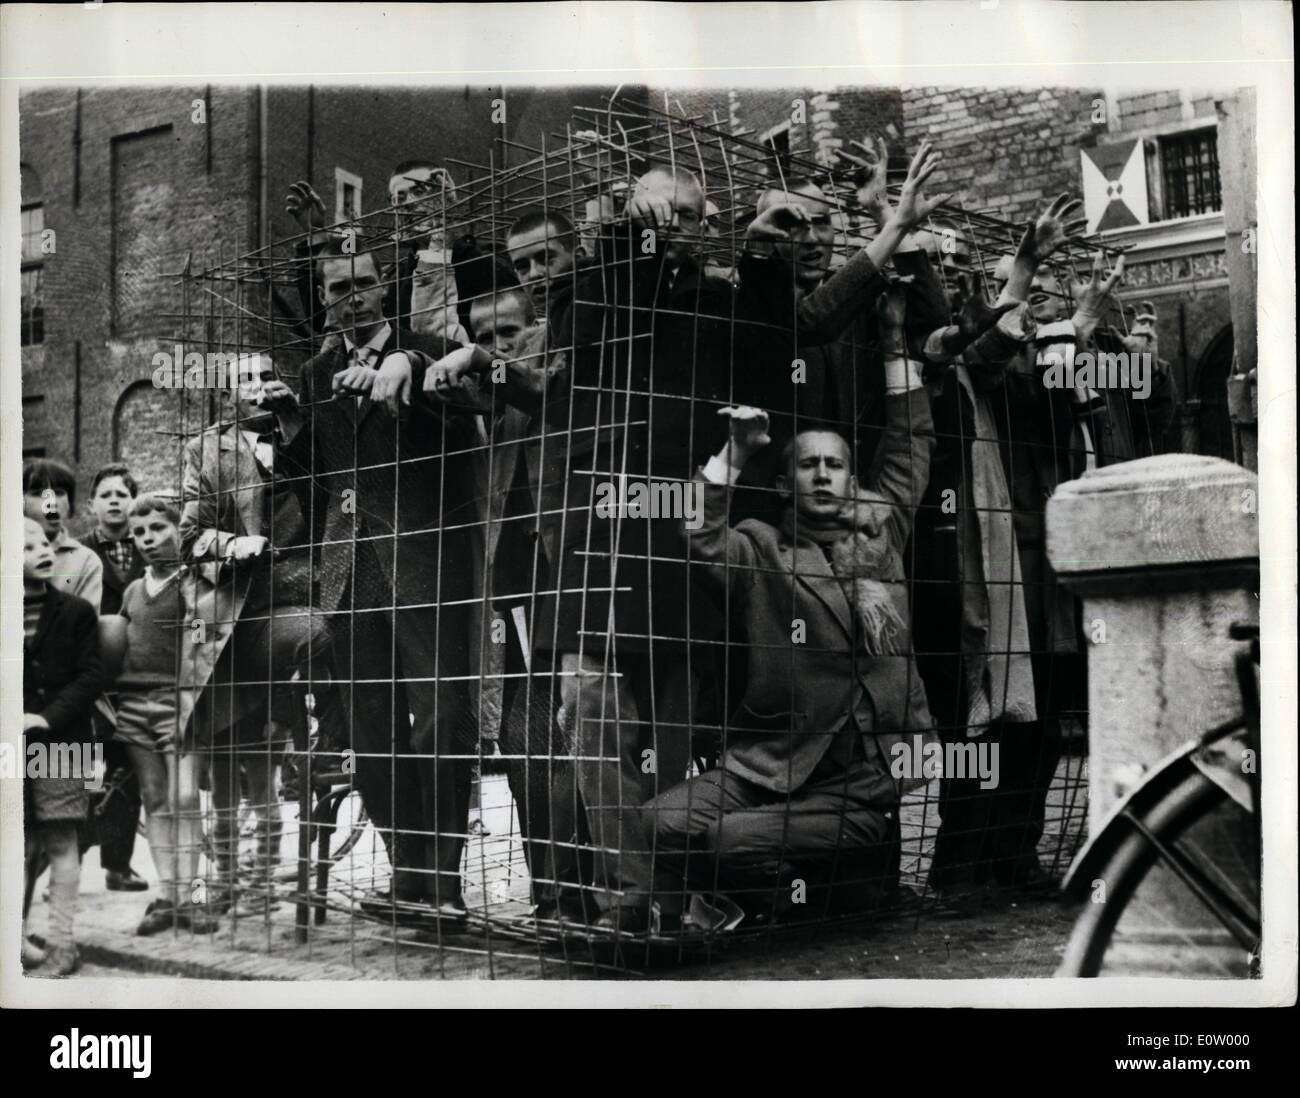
1114 185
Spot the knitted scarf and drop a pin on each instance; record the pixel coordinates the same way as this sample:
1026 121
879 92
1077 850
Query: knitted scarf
859 557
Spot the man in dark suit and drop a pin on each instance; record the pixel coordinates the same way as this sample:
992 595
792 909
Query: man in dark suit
114 812
392 504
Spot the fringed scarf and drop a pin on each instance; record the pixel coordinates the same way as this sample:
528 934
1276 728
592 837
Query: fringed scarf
859 557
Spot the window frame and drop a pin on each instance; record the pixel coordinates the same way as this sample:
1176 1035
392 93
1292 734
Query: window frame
342 180
31 325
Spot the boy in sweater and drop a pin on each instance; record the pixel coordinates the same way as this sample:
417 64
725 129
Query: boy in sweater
159 616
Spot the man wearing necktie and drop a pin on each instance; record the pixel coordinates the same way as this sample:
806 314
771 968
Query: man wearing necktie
392 503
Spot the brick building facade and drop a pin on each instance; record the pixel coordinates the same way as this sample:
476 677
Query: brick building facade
120 186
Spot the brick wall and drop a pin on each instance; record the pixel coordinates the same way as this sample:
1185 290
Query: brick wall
166 193
1004 149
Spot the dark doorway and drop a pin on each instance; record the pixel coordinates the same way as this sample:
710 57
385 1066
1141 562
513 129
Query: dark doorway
1210 391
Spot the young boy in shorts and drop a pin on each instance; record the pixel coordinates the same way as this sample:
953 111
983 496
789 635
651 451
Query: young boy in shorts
62 676
159 608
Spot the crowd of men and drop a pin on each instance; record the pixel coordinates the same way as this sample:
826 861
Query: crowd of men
700 712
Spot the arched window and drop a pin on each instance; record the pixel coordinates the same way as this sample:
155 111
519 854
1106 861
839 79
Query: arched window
33 258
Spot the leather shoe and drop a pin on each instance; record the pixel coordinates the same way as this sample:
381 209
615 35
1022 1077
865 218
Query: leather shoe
125 880
158 916
404 909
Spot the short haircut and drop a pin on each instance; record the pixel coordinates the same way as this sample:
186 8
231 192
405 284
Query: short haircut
115 469
149 503
334 248
408 166
678 174
230 393
414 165
531 220
41 473
530 313
789 450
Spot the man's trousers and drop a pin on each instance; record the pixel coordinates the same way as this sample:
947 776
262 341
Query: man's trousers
412 728
721 832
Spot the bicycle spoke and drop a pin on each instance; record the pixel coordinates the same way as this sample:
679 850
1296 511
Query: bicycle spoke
1241 923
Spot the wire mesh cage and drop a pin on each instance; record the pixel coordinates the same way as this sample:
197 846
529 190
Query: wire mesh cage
496 670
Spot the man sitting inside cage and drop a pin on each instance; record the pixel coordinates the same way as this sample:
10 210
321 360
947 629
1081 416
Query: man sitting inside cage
241 508
393 504
816 755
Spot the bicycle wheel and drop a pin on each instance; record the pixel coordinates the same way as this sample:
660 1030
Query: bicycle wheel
1180 894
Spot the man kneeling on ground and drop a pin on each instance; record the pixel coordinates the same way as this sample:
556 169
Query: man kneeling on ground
808 784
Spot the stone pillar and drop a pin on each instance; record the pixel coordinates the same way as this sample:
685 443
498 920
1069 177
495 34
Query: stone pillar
1165 554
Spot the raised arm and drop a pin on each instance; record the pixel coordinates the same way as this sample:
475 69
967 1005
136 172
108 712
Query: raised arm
710 538
901 469
823 314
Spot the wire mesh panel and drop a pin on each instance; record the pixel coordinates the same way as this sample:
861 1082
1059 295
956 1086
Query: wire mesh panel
616 561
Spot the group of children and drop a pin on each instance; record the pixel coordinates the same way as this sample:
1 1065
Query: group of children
71 656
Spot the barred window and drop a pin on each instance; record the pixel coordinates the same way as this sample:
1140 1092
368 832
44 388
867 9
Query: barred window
1189 165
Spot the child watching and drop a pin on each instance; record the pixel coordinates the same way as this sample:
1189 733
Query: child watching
158 610
62 676
112 492
49 496
115 811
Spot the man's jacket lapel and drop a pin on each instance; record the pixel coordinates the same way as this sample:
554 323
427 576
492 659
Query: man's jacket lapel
811 569
237 472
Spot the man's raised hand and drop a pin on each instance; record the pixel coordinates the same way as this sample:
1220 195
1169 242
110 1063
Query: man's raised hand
650 211
749 433
892 308
1053 227
304 205
913 206
870 175
1142 335
1092 297
974 315
777 223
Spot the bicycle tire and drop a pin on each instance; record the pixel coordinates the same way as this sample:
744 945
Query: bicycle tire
1192 800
